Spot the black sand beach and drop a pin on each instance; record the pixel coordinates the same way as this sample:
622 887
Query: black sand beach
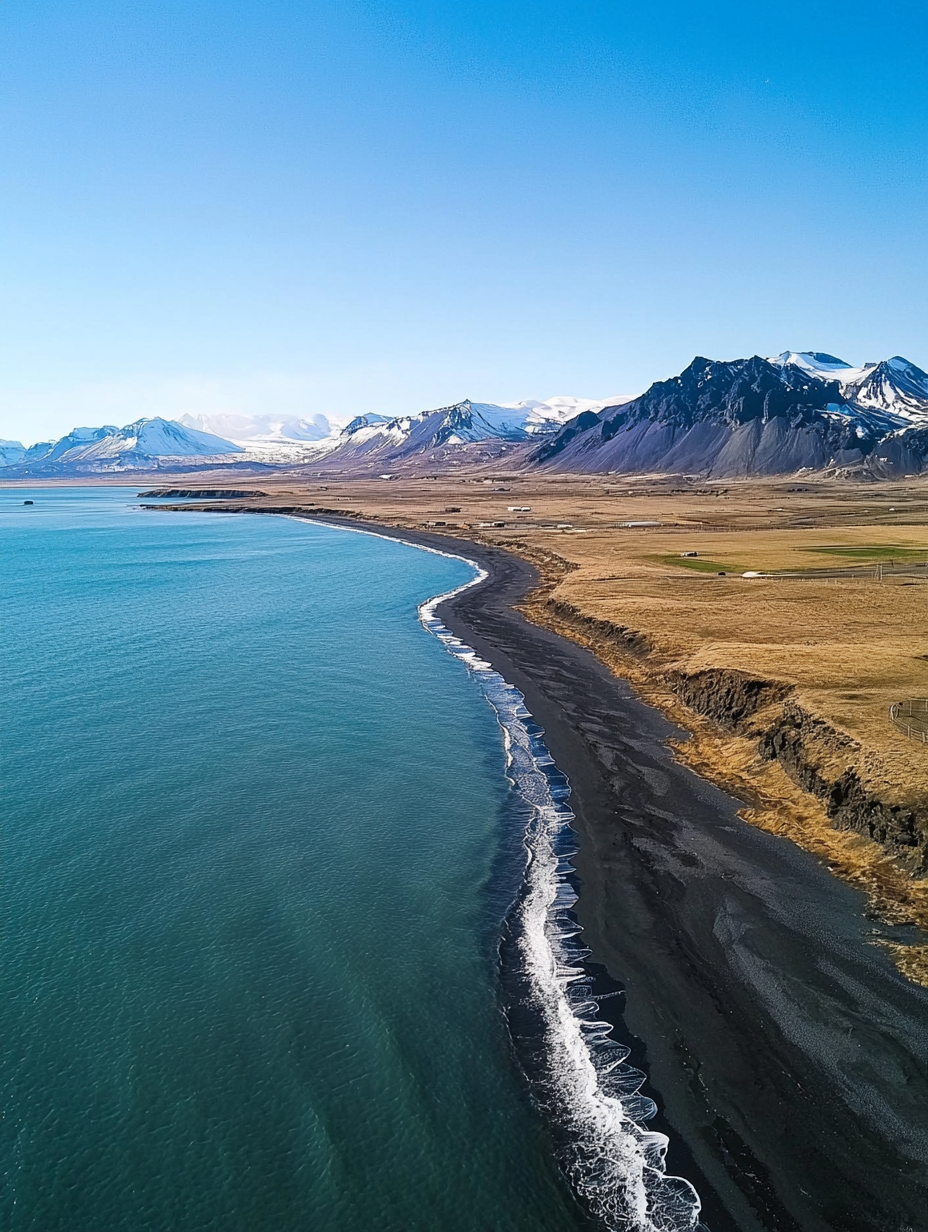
788 1057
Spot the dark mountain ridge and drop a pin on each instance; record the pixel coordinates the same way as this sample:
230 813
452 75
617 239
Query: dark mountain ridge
746 417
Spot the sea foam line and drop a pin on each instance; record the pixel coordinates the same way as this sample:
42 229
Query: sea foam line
615 1164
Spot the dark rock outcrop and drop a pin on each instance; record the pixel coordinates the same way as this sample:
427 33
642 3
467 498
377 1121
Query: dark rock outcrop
902 830
802 744
630 641
728 697
204 493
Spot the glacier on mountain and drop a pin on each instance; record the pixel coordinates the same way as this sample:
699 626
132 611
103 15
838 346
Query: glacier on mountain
247 430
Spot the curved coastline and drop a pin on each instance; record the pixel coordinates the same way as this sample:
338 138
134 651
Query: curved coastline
786 1054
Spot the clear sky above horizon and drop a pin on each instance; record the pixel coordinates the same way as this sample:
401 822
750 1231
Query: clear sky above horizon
388 205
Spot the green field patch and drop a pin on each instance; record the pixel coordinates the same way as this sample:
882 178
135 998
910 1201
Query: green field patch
699 563
873 551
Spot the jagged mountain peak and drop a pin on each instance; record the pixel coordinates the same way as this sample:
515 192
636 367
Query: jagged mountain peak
735 390
896 386
752 416
461 423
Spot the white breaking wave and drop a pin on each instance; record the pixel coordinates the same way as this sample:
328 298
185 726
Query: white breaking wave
616 1165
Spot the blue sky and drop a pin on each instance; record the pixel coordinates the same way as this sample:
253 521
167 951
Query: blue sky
336 207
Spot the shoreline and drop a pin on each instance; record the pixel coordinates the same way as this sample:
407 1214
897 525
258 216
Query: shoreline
574 1067
785 1051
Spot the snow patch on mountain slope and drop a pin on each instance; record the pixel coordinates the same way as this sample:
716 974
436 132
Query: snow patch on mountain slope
826 367
894 386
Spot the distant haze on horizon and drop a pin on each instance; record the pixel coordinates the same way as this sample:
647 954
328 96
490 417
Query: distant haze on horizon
380 206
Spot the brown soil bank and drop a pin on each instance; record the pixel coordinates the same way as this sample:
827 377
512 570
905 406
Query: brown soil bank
818 758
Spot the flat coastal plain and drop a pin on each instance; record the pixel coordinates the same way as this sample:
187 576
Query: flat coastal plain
775 1006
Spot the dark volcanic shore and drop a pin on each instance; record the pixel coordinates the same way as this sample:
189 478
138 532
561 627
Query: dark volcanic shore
789 1057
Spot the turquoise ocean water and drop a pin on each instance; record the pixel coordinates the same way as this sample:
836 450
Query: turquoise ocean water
258 842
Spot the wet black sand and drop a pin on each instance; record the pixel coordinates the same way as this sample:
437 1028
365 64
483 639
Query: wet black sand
788 1056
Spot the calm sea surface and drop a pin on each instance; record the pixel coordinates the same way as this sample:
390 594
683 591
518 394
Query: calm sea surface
258 841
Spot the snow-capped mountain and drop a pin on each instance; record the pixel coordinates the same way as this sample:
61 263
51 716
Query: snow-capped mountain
464 423
270 440
144 445
798 410
794 411
14 453
893 385
442 430
818 364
